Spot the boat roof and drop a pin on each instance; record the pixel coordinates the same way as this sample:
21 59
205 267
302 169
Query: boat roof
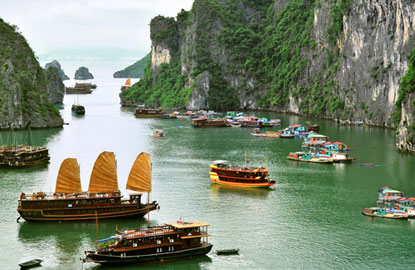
317 135
188 224
392 191
135 194
220 162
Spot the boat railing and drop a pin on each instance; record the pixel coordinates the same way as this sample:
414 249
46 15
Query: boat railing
63 196
146 232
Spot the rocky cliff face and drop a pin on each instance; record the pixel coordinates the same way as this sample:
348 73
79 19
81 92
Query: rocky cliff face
57 65
405 138
341 60
56 88
23 85
83 73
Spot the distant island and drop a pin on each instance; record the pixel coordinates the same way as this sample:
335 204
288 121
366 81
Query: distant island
83 74
57 65
136 70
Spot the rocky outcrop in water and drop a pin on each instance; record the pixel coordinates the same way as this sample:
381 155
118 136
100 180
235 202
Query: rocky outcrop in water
56 88
83 73
341 60
23 85
57 65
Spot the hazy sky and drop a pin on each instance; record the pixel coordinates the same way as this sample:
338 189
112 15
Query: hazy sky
50 25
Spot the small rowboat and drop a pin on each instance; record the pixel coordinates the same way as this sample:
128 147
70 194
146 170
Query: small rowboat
227 251
30 264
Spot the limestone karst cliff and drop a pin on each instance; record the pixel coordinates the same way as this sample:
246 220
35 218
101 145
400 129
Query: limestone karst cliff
341 60
57 65
56 88
24 88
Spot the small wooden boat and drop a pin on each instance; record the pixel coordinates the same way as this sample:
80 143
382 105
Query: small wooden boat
78 109
287 134
382 213
227 251
158 133
314 127
30 264
233 124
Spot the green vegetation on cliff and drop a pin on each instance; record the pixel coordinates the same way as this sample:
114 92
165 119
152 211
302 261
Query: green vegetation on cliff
135 70
23 84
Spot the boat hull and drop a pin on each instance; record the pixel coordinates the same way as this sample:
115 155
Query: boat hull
165 256
40 215
140 115
239 184
391 216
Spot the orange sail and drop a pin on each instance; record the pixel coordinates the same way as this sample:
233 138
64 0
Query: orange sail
139 178
104 174
69 180
128 82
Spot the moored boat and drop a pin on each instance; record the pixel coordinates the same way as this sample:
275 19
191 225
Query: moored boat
103 199
383 213
227 251
224 173
78 109
158 133
23 155
171 241
286 134
206 122
30 264
142 112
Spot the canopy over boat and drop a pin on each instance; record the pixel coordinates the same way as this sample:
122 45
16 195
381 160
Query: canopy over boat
68 180
104 174
139 178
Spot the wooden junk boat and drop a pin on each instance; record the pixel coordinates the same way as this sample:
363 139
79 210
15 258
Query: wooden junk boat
126 85
170 241
142 112
78 109
206 122
241 176
22 155
80 88
103 199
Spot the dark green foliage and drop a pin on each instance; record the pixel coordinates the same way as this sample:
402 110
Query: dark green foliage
136 70
337 12
407 85
20 71
165 31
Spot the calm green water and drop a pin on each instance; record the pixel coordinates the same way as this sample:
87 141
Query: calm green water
310 220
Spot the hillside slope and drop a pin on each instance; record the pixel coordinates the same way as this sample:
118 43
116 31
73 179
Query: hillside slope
24 88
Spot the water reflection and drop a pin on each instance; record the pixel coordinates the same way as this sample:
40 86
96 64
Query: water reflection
38 137
249 192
